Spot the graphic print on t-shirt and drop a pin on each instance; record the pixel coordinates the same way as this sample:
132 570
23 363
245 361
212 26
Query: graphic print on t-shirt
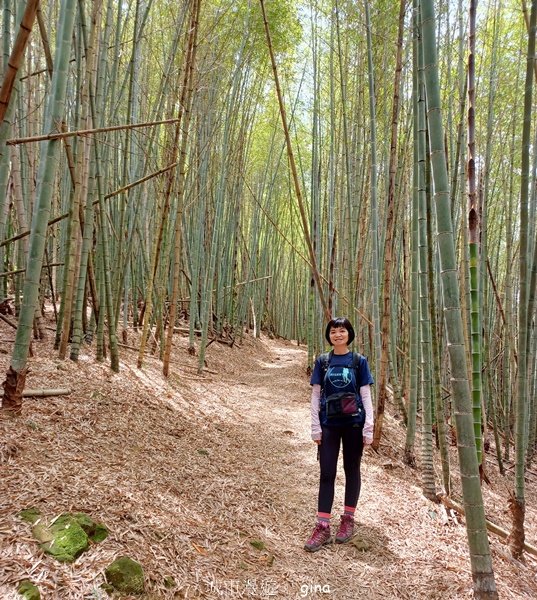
339 377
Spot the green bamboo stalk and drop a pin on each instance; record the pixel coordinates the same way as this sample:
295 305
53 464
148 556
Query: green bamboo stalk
374 205
5 132
426 389
91 51
389 241
509 367
313 343
532 431
207 301
332 160
187 101
517 501
474 250
347 189
481 564
157 246
484 280
410 458
100 342
14 383
438 402
73 252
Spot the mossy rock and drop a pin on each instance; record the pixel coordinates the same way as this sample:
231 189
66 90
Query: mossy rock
95 531
68 535
28 590
68 539
30 515
125 575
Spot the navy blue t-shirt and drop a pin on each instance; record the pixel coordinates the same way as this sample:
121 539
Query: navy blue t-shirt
340 377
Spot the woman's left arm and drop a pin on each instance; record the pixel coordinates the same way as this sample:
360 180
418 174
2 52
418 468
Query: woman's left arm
365 393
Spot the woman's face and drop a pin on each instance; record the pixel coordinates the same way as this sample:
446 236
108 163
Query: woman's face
339 336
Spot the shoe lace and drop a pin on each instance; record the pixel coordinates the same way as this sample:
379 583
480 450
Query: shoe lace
347 521
318 532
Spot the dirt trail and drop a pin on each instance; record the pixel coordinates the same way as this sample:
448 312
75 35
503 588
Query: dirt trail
213 481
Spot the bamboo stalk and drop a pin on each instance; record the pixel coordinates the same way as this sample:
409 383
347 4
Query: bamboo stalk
16 375
187 100
17 271
82 132
480 558
46 392
46 45
389 242
17 54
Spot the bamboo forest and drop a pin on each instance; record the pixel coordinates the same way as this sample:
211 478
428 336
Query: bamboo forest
190 190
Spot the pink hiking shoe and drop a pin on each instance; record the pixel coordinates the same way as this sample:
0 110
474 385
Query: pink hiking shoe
345 530
319 537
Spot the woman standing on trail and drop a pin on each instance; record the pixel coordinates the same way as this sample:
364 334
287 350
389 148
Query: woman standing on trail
341 414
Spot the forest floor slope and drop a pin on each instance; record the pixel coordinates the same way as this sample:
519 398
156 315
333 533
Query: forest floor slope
212 480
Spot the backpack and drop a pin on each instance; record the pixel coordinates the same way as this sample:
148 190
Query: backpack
343 407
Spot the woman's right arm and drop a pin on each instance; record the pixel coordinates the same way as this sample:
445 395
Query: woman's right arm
316 431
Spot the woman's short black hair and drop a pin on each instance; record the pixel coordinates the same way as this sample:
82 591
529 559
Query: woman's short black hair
339 322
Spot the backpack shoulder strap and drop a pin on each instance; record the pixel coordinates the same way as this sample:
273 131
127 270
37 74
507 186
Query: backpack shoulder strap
356 359
324 359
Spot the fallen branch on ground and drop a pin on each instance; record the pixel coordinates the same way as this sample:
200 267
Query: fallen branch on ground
44 392
449 503
8 321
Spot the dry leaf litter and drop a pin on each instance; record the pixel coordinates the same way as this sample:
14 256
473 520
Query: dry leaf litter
212 480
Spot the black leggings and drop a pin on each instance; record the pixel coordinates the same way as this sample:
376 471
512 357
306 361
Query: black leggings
353 445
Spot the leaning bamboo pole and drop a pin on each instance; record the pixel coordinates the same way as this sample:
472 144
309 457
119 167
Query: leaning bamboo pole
84 132
292 163
95 202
